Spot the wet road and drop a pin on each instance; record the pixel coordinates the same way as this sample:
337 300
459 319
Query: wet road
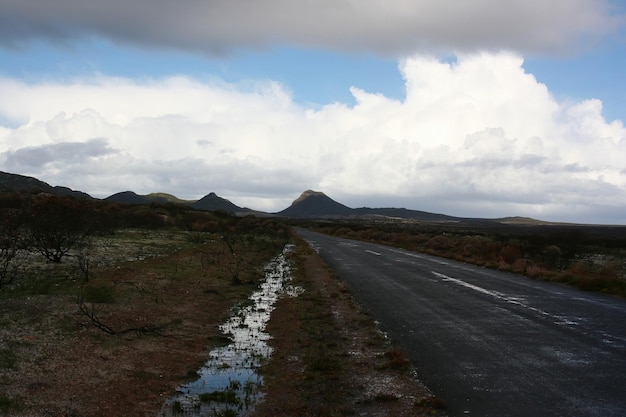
490 344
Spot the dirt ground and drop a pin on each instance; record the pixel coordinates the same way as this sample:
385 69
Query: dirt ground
54 362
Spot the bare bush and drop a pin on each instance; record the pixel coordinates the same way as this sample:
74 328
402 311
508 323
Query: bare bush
11 244
58 224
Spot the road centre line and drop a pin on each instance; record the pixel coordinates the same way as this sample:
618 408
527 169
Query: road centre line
372 252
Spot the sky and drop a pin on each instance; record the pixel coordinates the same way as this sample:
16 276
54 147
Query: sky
479 108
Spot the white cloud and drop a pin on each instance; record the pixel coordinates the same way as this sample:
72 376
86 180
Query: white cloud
381 26
475 137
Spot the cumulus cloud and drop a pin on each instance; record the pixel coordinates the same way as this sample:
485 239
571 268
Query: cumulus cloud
478 136
380 26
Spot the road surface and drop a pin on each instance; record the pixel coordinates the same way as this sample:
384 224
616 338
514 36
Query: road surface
490 344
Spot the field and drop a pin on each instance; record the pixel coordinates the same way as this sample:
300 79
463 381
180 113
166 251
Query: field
114 331
118 341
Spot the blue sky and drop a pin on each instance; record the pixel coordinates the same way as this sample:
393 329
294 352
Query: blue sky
487 109
314 76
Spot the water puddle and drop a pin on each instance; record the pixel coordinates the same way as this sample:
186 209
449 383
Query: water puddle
228 383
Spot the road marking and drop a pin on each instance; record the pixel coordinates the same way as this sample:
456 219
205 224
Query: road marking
471 286
500 296
372 252
418 256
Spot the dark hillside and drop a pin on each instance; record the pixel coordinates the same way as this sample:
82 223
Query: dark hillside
129 197
315 204
213 202
23 184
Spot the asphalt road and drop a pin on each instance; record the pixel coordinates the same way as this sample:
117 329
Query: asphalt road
490 344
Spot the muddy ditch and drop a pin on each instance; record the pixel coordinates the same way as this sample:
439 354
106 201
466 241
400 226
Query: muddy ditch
228 383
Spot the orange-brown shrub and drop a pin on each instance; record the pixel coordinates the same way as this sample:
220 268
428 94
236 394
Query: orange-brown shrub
520 266
440 242
510 253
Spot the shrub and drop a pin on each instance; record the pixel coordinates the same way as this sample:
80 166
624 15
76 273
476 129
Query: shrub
440 242
11 243
521 266
552 256
538 271
510 253
58 224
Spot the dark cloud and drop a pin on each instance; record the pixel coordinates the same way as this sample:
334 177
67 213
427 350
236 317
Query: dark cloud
63 153
380 26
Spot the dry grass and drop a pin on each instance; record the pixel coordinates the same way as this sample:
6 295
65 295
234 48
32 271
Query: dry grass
61 364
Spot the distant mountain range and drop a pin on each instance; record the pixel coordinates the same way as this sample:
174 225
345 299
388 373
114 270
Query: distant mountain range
315 204
310 204
23 184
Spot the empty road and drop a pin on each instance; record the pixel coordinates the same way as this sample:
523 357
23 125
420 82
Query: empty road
490 344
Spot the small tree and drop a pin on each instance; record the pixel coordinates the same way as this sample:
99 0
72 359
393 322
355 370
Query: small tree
83 259
10 245
58 224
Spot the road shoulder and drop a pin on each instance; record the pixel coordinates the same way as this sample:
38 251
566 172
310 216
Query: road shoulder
329 357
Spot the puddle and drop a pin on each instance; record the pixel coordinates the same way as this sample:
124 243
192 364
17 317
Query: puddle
228 384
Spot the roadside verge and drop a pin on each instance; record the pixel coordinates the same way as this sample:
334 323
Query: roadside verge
329 357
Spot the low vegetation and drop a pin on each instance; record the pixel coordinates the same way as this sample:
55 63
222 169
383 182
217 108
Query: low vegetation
126 314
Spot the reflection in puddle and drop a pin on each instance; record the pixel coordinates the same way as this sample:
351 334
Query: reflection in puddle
228 384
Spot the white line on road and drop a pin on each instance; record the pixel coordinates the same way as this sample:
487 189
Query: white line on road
500 296
372 252
418 256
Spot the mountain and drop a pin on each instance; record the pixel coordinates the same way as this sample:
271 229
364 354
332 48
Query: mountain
23 184
315 204
213 202
130 197
168 198
310 204
210 202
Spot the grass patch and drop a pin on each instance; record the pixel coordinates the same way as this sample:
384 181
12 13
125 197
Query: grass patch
8 359
8 405
99 293
225 396
321 388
